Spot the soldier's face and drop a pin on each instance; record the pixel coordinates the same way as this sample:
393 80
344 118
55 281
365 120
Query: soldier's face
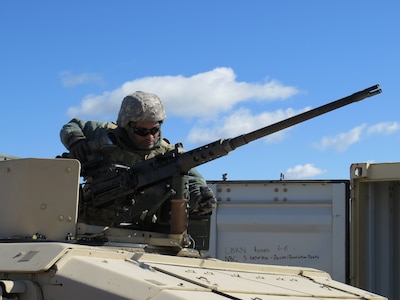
144 134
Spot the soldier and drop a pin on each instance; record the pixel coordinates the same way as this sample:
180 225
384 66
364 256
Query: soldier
135 137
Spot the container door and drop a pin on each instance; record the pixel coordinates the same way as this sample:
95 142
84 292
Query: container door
295 223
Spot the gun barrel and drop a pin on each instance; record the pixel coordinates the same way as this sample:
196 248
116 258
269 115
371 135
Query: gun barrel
249 137
222 147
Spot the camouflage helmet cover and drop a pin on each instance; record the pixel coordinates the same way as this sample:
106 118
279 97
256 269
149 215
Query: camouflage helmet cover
140 107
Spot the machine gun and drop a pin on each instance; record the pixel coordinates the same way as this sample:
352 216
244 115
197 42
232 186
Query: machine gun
149 184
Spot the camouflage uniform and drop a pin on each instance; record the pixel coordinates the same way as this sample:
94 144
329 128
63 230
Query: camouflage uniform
110 141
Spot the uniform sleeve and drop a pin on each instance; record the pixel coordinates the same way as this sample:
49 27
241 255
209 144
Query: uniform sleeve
196 180
93 131
72 132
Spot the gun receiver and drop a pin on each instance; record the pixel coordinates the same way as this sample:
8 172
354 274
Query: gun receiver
156 178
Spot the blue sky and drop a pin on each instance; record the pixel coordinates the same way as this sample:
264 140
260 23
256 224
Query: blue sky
222 68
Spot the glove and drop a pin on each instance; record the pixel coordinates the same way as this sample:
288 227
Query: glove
80 150
205 203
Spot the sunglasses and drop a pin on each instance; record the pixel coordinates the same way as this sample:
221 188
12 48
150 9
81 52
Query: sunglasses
145 132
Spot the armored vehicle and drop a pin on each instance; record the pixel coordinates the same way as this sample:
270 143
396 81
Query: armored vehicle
47 254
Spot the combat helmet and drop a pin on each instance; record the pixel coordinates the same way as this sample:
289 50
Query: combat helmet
140 107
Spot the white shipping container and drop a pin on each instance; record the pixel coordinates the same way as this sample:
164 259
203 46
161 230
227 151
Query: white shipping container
295 223
375 228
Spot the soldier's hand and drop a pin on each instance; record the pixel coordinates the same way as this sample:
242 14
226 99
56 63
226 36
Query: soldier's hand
206 202
80 150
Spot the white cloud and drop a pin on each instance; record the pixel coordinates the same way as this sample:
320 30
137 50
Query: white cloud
104 105
384 128
70 80
303 172
239 122
341 141
200 95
